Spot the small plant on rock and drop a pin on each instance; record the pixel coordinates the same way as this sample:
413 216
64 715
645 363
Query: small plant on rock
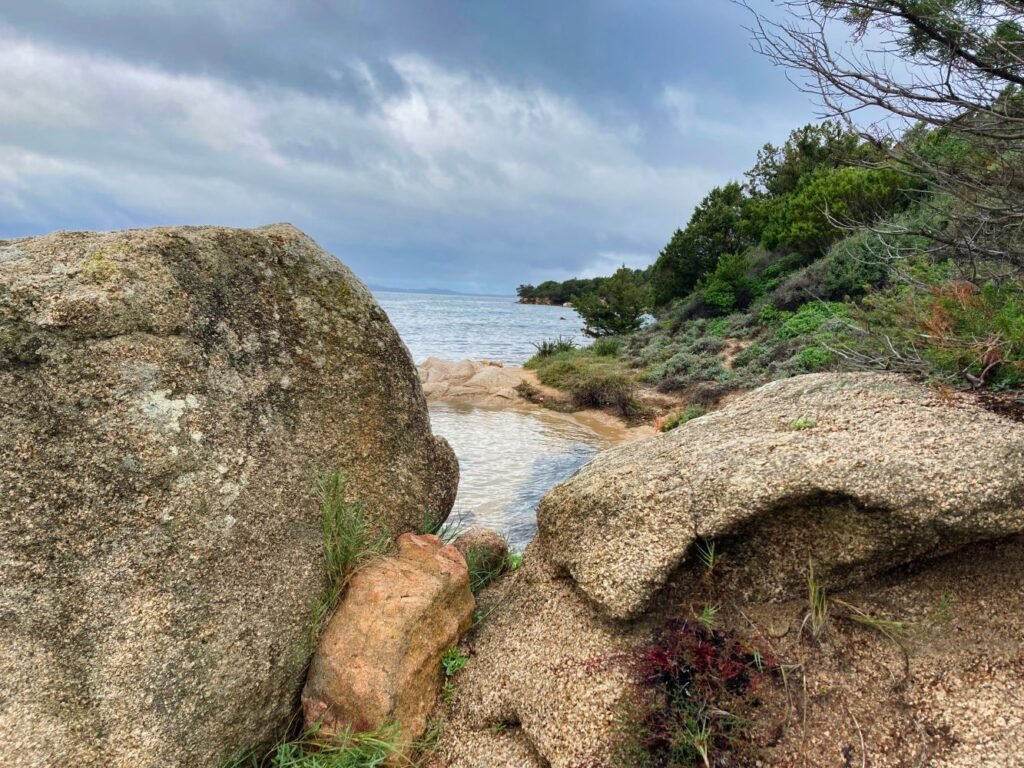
453 661
708 615
483 568
708 554
689 413
804 422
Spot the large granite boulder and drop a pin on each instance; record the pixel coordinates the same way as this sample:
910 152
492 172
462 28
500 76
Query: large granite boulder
379 659
167 398
856 472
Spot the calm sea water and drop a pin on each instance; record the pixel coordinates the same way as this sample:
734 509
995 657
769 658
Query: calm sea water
508 459
475 327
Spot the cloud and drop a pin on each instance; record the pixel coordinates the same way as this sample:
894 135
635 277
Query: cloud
443 144
449 164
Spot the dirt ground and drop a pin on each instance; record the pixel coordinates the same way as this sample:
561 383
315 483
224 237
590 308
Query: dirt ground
941 686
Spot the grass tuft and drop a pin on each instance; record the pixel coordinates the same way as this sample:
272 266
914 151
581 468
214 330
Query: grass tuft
482 568
312 750
347 537
708 616
707 552
348 542
817 602
550 347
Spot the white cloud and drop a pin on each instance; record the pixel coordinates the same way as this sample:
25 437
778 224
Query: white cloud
451 161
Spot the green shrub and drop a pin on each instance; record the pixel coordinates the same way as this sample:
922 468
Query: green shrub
730 286
607 346
814 358
805 221
752 355
953 331
718 327
591 381
809 318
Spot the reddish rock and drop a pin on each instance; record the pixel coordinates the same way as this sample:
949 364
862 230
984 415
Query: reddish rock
379 660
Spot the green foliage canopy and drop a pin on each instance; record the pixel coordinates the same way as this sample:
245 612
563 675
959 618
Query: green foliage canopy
618 306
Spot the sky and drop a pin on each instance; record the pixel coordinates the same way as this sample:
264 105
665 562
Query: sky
470 145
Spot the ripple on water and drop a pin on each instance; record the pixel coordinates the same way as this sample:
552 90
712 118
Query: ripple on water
508 460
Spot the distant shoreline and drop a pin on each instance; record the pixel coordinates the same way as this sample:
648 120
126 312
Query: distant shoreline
439 292
545 303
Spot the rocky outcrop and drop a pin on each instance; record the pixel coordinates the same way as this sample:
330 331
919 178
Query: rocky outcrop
857 472
546 678
379 660
871 477
167 398
470 380
486 549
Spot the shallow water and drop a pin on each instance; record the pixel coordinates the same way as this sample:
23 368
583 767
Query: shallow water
508 460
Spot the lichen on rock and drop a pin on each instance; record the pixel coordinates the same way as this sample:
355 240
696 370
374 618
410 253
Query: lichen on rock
167 398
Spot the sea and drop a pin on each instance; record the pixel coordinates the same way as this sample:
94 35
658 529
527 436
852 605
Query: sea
508 458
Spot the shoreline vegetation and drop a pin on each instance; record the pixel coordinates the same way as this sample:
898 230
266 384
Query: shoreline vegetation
829 256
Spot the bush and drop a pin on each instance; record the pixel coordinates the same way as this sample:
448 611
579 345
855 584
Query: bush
807 284
814 358
770 315
730 286
856 195
607 347
591 381
709 345
809 318
955 331
612 390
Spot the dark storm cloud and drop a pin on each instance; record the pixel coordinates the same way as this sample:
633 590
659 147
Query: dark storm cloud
467 144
